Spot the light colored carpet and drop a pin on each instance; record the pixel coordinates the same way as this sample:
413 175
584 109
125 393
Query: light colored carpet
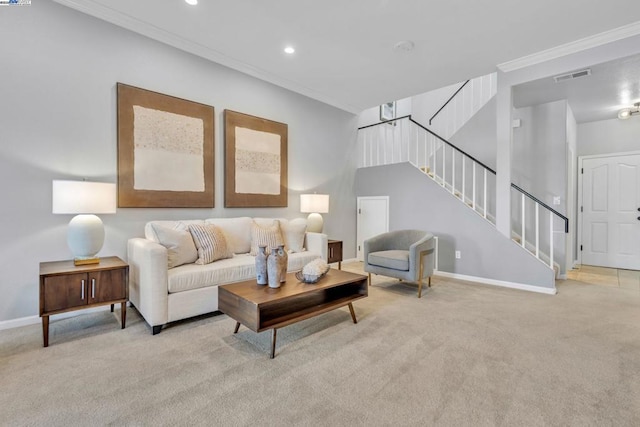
464 354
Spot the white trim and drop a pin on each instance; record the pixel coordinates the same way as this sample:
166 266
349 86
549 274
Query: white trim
32 320
133 24
493 282
590 42
619 154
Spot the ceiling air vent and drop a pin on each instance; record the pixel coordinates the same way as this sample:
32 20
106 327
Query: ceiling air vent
572 75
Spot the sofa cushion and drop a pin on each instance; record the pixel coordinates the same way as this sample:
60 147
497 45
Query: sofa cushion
238 268
396 259
265 235
181 248
210 242
293 232
237 231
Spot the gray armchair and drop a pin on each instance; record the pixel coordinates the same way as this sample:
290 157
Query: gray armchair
403 254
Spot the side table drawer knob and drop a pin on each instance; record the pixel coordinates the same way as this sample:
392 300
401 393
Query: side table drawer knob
93 288
82 290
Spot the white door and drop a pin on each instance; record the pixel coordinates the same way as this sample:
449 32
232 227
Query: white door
611 211
373 219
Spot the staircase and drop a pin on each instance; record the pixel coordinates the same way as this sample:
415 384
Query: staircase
535 225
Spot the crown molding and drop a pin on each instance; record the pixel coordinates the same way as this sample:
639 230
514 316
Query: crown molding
590 42
128 22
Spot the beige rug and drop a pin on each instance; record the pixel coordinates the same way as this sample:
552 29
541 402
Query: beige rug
464 354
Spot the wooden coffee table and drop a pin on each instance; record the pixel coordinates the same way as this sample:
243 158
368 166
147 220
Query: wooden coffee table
260 308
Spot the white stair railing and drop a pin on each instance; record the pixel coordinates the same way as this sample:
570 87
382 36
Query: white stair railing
467 179
528 221
404 140
471 96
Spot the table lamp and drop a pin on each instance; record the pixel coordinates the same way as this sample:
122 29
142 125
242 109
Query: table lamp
85 234
314 205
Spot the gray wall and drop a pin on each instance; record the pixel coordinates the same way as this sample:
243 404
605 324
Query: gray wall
58 121
478 136
609 136
415 201
539 159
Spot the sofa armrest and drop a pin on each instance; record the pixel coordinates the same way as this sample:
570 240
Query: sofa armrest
318 243
148 285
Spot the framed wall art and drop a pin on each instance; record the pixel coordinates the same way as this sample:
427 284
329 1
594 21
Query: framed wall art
165 151
255 161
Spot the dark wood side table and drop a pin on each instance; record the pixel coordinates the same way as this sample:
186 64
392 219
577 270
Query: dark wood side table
65 287
335 252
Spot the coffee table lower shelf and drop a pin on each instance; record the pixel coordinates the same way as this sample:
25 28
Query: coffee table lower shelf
261 308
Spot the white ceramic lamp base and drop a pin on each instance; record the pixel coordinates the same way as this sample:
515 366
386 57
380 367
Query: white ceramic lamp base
85 237
315 223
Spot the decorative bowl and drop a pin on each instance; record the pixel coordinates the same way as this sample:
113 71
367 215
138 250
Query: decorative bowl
310 278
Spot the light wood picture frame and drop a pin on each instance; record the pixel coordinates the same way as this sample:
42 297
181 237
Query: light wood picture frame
255 161
165 151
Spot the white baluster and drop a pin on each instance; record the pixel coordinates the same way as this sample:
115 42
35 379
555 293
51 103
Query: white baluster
463 178
485 193
444 164
523 221
551 239
417 147
537 230
473 200
453 171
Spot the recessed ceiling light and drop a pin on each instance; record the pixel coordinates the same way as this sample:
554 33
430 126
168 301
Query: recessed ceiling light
192 2
289 50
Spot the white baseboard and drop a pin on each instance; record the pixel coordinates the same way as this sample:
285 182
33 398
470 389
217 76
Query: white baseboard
32 320
483 280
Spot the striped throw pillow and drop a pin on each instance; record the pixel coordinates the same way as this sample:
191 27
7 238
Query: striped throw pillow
269 236
210 242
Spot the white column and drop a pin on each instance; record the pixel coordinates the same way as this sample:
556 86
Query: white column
503 157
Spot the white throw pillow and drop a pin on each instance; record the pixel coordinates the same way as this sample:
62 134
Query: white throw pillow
269 236
180 246
237 231
293 232
211 243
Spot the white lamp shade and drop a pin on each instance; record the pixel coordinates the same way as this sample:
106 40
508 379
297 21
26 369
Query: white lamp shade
314 203
83 197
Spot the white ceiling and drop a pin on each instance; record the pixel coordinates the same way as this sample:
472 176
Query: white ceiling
611 86
344 48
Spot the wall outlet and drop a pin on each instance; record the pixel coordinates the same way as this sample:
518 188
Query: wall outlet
457 254
556 200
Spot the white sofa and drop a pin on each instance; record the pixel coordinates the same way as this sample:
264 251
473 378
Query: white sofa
163 295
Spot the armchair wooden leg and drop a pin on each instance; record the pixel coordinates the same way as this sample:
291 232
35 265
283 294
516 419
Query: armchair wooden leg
429 281
420 289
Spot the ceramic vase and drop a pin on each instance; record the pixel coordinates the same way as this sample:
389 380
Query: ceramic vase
283 260
273 269
261 265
